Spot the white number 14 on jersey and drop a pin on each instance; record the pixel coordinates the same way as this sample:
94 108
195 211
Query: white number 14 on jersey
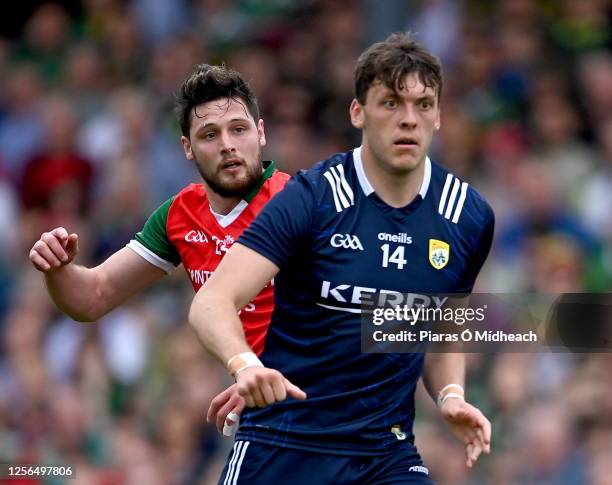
397 257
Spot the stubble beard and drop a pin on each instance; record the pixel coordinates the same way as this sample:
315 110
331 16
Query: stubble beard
237 188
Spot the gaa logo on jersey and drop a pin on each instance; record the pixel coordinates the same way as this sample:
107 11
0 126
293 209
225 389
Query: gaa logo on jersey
346 241
439 252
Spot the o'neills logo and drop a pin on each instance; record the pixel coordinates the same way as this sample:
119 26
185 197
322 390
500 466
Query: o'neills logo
402 237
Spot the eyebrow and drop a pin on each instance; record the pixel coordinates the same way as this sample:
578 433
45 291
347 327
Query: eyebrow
424 97
208 125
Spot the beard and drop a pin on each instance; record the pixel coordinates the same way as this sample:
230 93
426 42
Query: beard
237 186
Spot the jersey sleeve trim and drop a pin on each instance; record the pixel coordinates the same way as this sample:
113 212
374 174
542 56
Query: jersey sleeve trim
150 256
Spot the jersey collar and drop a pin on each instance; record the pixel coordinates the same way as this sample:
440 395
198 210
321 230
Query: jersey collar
269 169
366 186
227 219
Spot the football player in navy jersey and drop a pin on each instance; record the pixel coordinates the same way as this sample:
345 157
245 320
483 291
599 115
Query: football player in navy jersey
380 219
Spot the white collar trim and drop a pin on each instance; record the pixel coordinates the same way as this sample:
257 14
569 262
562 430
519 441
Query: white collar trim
366 186
227 219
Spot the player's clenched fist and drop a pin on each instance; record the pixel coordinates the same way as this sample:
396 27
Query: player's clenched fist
261 386
54 249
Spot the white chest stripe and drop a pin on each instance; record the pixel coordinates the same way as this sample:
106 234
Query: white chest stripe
447 203
341 191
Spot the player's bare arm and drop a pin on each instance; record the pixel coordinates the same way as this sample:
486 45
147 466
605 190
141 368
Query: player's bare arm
444 377
86 294
214 316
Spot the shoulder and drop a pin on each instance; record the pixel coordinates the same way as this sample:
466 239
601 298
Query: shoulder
184 202
277 181
338 162
457 201
334 174
191 192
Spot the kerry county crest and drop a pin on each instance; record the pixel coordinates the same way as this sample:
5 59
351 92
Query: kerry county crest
439 252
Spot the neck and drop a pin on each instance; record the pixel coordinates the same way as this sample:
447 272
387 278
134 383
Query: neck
221 205
395 188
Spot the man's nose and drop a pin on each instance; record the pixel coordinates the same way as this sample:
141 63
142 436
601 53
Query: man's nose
227 143
408 118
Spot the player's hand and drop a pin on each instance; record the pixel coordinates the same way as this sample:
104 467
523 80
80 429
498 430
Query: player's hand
225 410
470 426
261 386
54 250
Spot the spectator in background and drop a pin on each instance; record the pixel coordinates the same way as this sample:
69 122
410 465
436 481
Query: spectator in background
595 79
21 127
85 79
46 41
57 181
595 198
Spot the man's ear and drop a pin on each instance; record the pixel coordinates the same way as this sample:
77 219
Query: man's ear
437 122
262 133
356 112
187 147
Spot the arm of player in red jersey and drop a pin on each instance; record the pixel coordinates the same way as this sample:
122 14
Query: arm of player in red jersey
86 294
214 315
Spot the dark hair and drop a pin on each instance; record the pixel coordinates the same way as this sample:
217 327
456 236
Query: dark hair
208 83
391 60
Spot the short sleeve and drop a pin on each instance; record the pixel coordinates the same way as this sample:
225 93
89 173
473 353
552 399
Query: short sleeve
480 253
153 244
284 223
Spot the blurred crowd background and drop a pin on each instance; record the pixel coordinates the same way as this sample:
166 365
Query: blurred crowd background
88 140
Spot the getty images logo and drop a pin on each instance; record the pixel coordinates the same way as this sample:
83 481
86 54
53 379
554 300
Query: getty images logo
346 241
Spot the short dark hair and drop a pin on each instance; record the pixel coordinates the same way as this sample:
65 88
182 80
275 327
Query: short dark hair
391 60
208 83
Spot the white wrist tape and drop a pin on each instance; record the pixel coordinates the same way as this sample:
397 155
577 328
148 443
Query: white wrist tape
451 395
449 386
443 395
242 361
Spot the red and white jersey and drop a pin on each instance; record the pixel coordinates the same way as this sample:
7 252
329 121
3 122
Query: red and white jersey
185 230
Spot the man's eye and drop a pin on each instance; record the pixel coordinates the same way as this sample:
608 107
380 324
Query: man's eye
425 104
390 103
239 129
209 136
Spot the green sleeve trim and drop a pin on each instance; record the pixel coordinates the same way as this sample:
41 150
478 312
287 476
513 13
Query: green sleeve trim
270 168
154 236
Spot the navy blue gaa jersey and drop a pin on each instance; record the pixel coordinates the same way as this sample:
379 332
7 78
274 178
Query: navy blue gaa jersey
337 242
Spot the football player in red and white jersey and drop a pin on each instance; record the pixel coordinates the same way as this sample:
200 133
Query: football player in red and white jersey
223 135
